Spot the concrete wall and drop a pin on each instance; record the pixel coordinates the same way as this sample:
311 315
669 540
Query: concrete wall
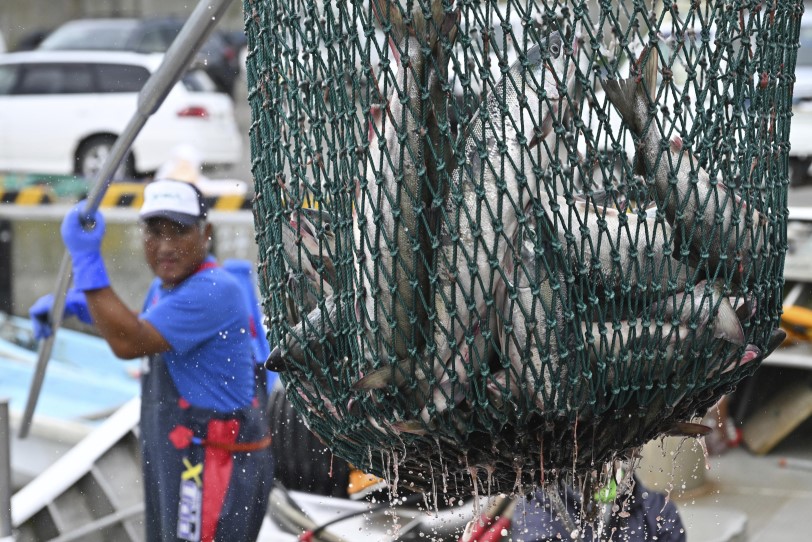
19 17
36 250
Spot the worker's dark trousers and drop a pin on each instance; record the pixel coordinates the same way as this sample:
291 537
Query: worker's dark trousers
651 516
203 479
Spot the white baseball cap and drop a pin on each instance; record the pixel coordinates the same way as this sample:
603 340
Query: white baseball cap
178 201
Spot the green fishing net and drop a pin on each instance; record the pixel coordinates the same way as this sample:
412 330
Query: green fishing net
506 240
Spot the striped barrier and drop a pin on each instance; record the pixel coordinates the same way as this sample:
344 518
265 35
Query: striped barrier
132 195
123 195
29 195
118 194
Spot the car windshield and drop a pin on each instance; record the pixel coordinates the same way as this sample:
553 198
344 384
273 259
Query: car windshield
198 81
91 35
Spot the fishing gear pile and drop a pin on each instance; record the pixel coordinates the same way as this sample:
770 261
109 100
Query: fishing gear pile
503 242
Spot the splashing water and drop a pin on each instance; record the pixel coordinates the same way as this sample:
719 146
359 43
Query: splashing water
490 469
474 472
704 445
395 473
443 468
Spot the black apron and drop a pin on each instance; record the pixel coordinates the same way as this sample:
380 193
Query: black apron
207 475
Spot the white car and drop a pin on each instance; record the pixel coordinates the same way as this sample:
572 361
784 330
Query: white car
61 111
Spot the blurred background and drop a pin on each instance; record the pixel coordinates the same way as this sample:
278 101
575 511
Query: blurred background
24 23
140 26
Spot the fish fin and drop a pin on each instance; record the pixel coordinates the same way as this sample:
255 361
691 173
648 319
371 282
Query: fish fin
688 429
415 427
727 325
650 68
381 378
377 379
622 94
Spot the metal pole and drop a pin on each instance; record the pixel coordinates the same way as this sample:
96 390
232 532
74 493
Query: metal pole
5 473
202 20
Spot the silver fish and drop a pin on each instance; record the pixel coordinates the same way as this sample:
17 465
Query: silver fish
622 250
685 318
536 336
309 252
313 338
505 142
727 234
539 338
394 226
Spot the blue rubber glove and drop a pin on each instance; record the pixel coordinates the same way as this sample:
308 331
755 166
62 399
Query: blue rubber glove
75 305
84 246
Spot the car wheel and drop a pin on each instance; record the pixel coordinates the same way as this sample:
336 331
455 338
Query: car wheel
94 152
302 462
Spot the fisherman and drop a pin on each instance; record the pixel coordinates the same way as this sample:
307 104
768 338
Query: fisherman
207 464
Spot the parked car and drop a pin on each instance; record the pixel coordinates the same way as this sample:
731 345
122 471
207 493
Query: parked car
803 65
61 112
31 39
217 55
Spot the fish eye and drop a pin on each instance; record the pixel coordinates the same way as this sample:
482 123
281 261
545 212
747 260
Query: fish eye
555 50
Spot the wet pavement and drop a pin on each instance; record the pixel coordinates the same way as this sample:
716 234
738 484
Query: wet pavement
776 501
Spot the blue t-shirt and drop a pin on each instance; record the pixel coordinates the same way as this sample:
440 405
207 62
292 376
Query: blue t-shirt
206 322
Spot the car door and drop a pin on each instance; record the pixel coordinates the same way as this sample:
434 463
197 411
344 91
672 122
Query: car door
8 79
49 106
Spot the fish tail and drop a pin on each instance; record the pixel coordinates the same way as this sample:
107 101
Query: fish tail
650 68
631 96
623 95
688 429
413 427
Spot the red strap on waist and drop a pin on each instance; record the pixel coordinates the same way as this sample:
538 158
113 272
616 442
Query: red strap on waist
238 447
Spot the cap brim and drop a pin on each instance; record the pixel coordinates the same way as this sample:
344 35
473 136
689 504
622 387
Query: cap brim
180 218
